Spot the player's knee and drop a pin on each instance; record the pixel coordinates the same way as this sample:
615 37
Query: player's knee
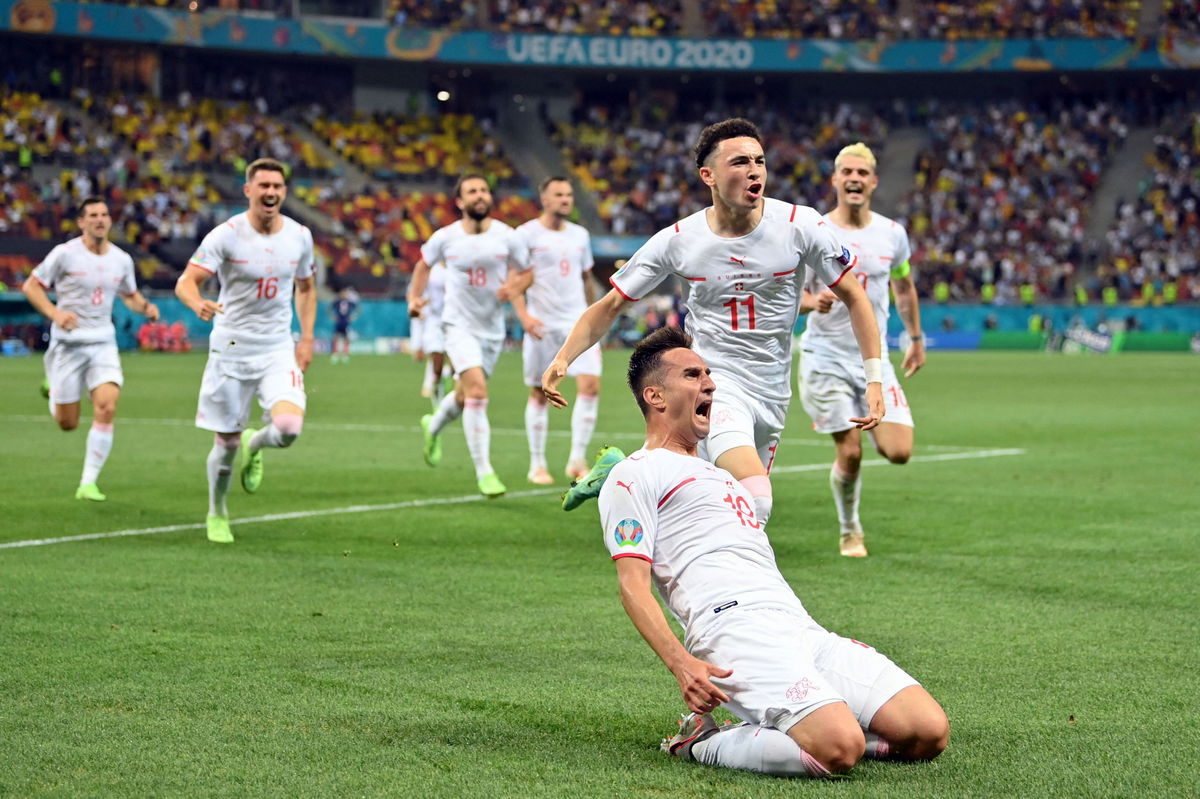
898 456
840 749
67 425
289 426
927 737
228 440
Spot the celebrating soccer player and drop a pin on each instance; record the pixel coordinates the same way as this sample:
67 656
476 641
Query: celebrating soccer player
479 253
833 385
86 273
261 258
742 262
811 702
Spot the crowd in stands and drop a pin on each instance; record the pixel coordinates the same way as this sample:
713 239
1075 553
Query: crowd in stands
596 17
1025 19
637 157
1154 243
1002 195
788 19
418 147
1181 17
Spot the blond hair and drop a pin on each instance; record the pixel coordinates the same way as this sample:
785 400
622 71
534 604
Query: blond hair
857 149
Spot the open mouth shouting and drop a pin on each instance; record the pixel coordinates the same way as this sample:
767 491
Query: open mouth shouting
754 191
270 202
704 411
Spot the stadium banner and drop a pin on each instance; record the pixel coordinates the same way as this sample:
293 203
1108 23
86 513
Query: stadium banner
317 36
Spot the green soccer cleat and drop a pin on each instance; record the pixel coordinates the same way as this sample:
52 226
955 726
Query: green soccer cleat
218 529
490 486
251 472
589 485
89 491
433 444
45 387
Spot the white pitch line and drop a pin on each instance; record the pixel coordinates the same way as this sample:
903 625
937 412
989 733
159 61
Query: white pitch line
420 503
354 427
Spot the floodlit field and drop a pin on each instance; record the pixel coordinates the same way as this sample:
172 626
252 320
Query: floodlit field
391 634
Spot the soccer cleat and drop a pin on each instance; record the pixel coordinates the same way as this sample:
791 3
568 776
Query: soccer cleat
490 486
577 468
251 472
852 544
540 476
218 529
433 441
589 485
89 491
45 387
693 727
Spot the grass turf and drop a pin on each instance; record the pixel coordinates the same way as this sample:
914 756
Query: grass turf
1047 599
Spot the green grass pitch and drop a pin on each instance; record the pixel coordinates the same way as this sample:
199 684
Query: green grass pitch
377 643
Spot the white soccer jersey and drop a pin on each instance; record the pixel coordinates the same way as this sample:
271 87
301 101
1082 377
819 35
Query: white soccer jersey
742 293
878 248
559 259
257 274
86 284
477 266
695 524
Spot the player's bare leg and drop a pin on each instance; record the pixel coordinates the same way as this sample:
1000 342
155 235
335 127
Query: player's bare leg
747 467
537 418
474 391
66 416
845 481
99 439
910 726
894 441
287 421
583 423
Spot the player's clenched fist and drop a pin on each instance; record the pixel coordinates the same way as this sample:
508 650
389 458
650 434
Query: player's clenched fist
207 309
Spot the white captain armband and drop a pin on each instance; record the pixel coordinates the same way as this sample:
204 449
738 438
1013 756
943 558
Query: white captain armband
874 369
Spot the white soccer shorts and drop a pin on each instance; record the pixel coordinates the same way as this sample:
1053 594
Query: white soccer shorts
786 666
832 391
739 419
538 353
467 351
229 386
74 368
432 339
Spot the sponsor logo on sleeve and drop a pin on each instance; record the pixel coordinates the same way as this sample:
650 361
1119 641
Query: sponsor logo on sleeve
844 258
628 533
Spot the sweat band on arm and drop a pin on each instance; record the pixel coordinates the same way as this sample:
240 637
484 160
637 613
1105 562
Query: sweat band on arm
874 369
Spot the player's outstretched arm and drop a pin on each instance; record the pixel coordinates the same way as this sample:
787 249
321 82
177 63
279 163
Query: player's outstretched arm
909 309
40 301
866 332
693 675
306 312
187 289
590 328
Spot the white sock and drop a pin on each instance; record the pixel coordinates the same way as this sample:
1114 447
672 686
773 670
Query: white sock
99 444
753 748
427 383
536 421
220 470
281 433
583 424
479 435
846 492
447 411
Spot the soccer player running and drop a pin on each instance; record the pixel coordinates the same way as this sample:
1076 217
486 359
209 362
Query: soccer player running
85 274
557 291
812 703
479 253
429 343
261 258
742 262
832 382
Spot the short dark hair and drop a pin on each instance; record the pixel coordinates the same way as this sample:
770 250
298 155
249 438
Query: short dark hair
718 132
458 184
265 165
647 359
545 184
83 206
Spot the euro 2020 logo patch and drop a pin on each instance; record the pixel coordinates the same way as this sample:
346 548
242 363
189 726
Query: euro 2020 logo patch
844 257
628 533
